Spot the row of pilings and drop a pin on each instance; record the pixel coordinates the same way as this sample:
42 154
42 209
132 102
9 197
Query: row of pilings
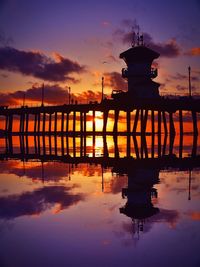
47 122
81 146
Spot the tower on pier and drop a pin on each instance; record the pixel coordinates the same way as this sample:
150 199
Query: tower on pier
139 71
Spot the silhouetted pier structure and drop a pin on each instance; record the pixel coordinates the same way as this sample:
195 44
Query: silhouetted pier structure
142 98
46 118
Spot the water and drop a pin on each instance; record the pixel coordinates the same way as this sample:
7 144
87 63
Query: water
83 209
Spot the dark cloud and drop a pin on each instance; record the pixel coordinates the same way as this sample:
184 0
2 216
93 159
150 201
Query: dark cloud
53 94
115 81
169 48
7 99
38 65
87 96
37 201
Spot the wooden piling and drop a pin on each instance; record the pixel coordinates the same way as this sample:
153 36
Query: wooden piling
171 124
44 122
62 122
50 119
116 117
55 121
105 119
128 121
164 122
194 119
136 120
35 122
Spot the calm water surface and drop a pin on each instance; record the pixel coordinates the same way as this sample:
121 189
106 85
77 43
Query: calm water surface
119 211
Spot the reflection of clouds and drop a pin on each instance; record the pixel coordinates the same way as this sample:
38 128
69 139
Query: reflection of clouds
129 230
194 215
180 184
169 216
89 172
51 170
115 184
38 201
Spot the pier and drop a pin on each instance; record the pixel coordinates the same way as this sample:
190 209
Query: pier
141 103
45 118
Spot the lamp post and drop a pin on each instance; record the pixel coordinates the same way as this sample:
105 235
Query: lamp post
69 95
42 104
102 88
24 98
189 80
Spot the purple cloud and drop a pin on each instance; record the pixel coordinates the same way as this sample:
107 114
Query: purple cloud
37 201
53 94
38 65
114 80
168 49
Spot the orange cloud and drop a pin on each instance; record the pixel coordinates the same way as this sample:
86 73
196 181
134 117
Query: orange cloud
195 215
195 51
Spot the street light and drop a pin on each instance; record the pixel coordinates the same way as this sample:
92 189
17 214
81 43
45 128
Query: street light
42 95
69 95
24 98
190 88
102 88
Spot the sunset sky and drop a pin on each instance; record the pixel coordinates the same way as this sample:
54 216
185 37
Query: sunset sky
74 43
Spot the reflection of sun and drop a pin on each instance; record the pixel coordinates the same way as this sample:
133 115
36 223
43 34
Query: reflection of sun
99 124
99 120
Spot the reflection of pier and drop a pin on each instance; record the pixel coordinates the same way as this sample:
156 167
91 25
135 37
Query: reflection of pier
74 150
142 170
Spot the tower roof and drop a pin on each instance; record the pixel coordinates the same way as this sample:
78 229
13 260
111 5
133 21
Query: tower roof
139 54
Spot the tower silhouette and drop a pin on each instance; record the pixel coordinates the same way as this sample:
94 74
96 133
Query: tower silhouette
139 71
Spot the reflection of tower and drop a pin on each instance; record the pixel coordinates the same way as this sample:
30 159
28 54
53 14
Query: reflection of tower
139 71
139 195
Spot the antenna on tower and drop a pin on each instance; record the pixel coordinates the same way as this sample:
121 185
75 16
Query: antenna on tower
141 40
133 37
138 37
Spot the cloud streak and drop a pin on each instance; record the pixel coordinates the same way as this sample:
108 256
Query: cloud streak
38 65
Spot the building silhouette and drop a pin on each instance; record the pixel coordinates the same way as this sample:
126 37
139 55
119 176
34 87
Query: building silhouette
139 72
